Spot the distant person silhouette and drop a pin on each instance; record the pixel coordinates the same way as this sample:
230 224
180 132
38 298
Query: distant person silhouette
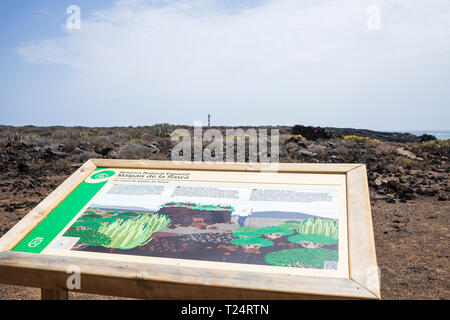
243 214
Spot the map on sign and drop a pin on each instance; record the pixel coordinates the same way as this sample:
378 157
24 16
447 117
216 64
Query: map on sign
274 222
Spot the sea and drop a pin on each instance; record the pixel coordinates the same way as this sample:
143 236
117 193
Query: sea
439 134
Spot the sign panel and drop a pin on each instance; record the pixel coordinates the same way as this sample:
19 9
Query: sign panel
251 221
196 230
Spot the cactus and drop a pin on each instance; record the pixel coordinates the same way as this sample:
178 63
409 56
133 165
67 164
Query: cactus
16 137
131 233
161 129
69 134
327 228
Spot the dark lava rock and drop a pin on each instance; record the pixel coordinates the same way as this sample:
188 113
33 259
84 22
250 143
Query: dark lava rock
154 148
186 217
426 192
23 168
313 133
406 196
50 154
442 196
216 238
380 135
394 185
427 137
34 149
104 151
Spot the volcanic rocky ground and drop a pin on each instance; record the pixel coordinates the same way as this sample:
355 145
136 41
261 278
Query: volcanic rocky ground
408 179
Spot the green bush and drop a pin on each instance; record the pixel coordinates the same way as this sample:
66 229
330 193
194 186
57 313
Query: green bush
90 216
197 206
275 232
89 237
293 221
301 258
252 242
127 215
105 220
247 234
314 238
275 229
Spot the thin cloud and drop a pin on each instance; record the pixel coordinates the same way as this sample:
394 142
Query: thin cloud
304 60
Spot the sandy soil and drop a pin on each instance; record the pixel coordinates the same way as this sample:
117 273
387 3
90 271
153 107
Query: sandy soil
412 241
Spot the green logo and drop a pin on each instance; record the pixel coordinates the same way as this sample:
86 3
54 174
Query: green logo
35 242
100 176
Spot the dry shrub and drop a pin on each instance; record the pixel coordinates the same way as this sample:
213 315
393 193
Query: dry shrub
405 163
391 168
439 147
383 149
136 135
62 164
70 145
361 139
318 149
42 142
350 144
287 159
437 144
133 151
158 156
342 150
31 137
295 136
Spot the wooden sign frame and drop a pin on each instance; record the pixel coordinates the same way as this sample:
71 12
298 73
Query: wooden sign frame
150 281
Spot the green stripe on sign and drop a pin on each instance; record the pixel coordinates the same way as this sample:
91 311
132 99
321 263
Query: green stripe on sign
58 219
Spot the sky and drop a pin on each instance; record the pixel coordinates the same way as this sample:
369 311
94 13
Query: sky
378 64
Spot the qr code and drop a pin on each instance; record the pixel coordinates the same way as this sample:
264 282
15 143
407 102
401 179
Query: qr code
333 265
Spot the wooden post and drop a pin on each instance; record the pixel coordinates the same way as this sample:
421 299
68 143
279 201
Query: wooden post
50 294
